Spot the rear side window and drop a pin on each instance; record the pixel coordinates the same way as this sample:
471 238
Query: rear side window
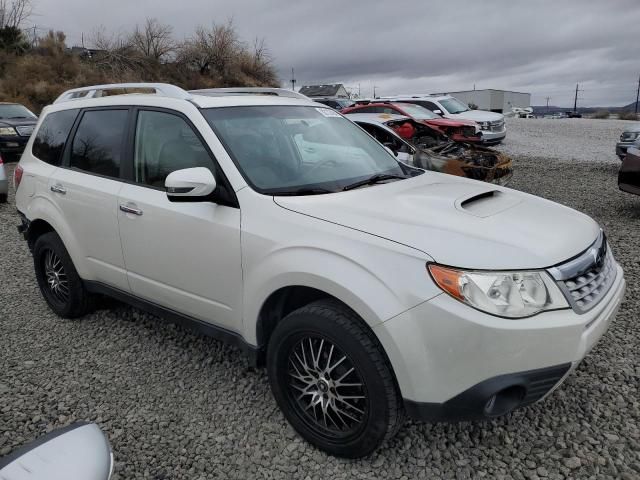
98 143
52 136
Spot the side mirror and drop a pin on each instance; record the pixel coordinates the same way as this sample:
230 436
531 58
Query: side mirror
438 112
190 184
78 451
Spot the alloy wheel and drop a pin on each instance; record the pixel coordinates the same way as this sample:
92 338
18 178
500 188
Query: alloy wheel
325 388
56 277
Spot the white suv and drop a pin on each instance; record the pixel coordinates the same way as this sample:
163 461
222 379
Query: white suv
491 124
369 288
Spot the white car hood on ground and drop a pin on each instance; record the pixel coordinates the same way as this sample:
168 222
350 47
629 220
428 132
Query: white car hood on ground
458 222
478 116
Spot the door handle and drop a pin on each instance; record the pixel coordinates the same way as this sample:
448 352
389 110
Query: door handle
130 209
57 188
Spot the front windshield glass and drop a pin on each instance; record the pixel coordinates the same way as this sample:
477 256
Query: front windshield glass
15 111
286 149
418 112
453 105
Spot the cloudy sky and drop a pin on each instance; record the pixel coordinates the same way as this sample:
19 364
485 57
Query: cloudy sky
409 46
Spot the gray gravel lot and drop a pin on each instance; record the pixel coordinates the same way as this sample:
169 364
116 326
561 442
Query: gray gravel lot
570 139
177 405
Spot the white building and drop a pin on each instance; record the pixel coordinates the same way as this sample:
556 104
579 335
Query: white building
501 101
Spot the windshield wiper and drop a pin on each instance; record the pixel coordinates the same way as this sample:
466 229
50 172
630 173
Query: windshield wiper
303 191
380 177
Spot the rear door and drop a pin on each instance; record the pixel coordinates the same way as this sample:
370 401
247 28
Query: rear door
184 256
86 189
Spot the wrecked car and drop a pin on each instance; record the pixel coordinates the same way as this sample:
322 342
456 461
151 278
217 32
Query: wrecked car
629 174
417 145
455 129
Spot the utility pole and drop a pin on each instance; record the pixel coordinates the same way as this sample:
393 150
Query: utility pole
374 91
293 80
637 96
548 98
575 100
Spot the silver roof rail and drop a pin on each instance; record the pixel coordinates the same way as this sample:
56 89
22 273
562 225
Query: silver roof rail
95 91
224 92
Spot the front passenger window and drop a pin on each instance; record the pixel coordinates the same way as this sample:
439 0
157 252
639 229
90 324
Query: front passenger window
166 143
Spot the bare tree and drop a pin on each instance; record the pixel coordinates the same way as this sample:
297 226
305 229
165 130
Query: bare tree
212 48
13 13
153 40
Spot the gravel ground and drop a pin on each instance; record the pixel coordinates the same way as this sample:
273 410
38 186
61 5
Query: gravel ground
177 405
570 139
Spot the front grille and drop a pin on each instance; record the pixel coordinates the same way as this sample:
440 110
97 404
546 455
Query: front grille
586 279
25 130
469 131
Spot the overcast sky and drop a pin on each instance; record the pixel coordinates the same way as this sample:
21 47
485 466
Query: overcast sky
410 46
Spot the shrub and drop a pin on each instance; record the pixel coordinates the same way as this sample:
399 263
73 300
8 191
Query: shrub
627 116
602 114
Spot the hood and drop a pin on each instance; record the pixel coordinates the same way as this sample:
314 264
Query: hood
14 122
451 122
478 116
458 222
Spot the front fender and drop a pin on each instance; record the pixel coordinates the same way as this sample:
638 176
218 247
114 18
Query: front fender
386 287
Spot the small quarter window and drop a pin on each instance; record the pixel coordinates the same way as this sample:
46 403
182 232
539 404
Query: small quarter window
52 136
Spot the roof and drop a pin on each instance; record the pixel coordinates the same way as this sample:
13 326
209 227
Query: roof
330 90
483 90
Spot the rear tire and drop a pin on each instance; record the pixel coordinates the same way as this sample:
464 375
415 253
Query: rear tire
332 380
59 282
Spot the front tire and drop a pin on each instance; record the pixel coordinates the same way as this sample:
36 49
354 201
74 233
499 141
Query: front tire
59 282
332 380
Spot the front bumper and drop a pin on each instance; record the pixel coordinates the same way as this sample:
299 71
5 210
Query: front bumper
450 360
489 136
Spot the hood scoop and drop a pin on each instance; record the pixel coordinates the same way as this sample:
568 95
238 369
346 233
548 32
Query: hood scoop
488 203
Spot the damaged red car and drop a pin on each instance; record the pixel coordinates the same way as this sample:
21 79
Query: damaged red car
458 130
431 150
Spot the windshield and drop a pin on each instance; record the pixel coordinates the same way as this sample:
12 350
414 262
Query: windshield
418 112
453 105
15 111
291 149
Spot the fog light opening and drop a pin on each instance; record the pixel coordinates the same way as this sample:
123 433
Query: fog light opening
504 401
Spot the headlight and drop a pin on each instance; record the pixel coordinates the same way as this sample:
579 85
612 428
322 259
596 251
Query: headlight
485 125
514 294
7 131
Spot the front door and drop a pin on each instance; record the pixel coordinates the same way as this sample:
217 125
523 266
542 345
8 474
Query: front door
182 256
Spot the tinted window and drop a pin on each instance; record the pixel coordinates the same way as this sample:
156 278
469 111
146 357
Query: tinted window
166 143
52 135
97 145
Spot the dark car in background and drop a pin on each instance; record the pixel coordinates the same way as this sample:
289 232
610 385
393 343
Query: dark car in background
16 125
629 174
628 136
335 103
